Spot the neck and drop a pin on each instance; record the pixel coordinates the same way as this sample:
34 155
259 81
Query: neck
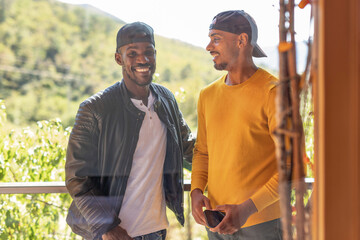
138 92
240 73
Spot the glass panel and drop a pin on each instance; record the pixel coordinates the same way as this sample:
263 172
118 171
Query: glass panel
42 216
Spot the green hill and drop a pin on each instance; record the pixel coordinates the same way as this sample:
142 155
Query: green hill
54 55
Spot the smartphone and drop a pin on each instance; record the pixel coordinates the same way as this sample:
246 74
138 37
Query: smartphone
213 217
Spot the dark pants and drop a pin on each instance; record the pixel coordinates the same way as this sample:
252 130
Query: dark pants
159 235
264 231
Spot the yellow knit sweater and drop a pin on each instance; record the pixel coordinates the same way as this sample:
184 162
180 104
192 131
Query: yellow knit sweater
234 154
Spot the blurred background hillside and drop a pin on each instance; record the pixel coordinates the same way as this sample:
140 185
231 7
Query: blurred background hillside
54 55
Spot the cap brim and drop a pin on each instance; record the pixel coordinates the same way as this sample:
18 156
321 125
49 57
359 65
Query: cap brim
258 52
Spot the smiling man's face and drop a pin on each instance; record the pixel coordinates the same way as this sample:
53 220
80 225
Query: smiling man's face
223 48
138 61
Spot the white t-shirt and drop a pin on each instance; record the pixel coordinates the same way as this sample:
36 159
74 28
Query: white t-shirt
144 210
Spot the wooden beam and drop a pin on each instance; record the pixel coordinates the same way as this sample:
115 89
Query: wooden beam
337 122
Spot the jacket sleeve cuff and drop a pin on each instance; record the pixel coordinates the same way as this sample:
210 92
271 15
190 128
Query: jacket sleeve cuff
105 228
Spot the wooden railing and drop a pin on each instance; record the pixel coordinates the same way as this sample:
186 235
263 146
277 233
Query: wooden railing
59 187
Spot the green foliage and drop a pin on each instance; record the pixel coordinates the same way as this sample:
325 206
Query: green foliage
2 113
33 155
307 115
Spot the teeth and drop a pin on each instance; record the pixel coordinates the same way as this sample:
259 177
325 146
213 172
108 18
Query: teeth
142 69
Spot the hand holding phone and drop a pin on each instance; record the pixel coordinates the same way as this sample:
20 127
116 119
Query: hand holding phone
213 217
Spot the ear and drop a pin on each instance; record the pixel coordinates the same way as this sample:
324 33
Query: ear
118 58
243 40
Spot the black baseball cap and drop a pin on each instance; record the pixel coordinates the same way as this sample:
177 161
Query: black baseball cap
134 32
237 22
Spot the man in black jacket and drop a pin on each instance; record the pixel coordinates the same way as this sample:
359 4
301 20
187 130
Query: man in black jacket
125 155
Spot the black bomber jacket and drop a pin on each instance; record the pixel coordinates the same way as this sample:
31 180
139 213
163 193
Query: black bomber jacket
99 157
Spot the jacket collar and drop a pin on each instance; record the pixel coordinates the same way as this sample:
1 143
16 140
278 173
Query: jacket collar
126 97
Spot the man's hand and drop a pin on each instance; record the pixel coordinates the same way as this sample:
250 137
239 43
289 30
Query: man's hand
236 217
117 233
198 201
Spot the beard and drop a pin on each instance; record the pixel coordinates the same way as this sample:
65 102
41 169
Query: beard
221 66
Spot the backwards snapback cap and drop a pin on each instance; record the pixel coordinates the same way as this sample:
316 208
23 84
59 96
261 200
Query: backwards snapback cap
237 22
134 32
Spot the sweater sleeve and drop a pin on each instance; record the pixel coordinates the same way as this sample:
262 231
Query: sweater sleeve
268 193
199 175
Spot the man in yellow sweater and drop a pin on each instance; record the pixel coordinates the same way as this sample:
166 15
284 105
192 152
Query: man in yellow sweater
234 156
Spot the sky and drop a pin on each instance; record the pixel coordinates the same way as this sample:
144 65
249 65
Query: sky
189 20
